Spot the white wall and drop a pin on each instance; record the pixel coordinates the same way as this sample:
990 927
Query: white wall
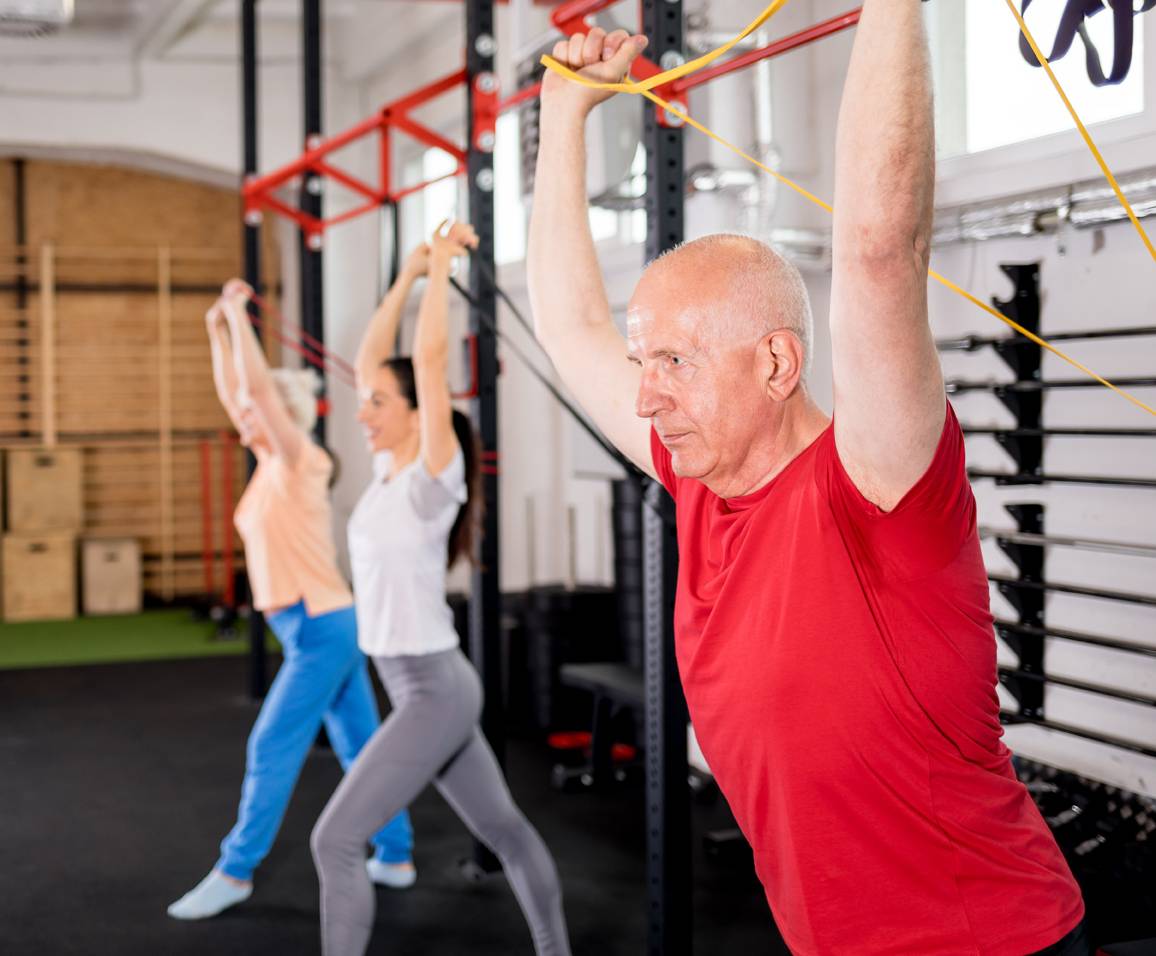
183 112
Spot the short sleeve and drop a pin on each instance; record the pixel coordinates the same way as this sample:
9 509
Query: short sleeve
661 459
926 529
432 494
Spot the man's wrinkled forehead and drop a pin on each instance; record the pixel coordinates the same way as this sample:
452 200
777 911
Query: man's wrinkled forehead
639 322
686 327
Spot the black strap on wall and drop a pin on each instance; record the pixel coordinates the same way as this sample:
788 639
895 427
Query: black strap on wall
1073 23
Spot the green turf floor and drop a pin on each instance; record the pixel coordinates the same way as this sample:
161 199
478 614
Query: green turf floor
153 635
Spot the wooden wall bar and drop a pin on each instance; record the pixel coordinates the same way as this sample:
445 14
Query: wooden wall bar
103 346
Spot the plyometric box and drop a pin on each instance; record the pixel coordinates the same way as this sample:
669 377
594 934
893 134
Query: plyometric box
38 577
110 575
43 490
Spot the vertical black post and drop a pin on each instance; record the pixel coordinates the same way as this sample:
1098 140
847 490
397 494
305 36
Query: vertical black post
258 666
312 287
668 887
485 594
1025 358
1029 603
391 238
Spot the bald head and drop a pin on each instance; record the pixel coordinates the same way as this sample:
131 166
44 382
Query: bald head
751 289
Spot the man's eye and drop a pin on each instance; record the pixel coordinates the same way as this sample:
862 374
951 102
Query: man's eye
676 361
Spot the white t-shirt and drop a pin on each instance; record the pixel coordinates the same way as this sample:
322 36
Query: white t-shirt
398 537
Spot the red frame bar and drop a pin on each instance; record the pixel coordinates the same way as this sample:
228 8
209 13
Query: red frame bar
417 188
571 17
207 515
423 134
303 219
779 47
257 193
529 93
426 93
350 214
349 182
310 157
472 391
490 463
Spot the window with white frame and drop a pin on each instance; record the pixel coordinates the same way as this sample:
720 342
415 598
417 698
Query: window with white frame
439 201
509 211
988 96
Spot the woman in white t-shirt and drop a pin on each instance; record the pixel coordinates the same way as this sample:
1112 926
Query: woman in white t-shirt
416 518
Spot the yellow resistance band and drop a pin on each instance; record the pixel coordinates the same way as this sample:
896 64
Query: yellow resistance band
676 73
644 88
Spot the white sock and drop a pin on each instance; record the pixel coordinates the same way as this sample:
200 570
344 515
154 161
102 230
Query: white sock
397 876
214 894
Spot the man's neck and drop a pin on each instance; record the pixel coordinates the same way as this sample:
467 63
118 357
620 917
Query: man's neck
794 433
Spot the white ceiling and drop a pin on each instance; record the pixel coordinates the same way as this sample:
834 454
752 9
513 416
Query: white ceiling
359 34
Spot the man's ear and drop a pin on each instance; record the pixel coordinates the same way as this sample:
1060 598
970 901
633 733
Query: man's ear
782 357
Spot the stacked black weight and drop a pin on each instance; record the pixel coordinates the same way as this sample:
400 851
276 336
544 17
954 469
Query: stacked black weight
1108 836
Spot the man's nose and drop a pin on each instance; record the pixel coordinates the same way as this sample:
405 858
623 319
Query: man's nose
651 397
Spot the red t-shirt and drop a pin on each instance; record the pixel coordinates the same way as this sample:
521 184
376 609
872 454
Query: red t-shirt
839 664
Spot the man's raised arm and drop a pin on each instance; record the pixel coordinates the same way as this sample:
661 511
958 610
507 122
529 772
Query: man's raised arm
571 313
889 399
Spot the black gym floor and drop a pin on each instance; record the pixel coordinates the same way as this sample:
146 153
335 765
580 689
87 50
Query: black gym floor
117 782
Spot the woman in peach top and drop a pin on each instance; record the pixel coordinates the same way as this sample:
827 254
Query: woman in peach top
284 520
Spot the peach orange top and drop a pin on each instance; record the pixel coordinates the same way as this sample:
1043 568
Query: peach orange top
285 522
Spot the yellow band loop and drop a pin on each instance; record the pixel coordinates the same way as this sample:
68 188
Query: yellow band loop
661 79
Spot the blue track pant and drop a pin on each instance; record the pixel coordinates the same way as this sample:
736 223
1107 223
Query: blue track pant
323 678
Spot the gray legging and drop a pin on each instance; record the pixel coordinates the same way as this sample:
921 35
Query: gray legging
431 735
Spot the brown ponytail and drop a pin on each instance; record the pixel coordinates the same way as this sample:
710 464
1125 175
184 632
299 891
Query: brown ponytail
467 524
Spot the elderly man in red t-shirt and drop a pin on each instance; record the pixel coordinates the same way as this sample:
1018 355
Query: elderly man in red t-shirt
832 624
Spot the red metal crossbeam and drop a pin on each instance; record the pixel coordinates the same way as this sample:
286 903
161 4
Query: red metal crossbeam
351 214
309 223
423 134
425 184
779 47
522 96
426 93
350 182
311 156
258 193
571 17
